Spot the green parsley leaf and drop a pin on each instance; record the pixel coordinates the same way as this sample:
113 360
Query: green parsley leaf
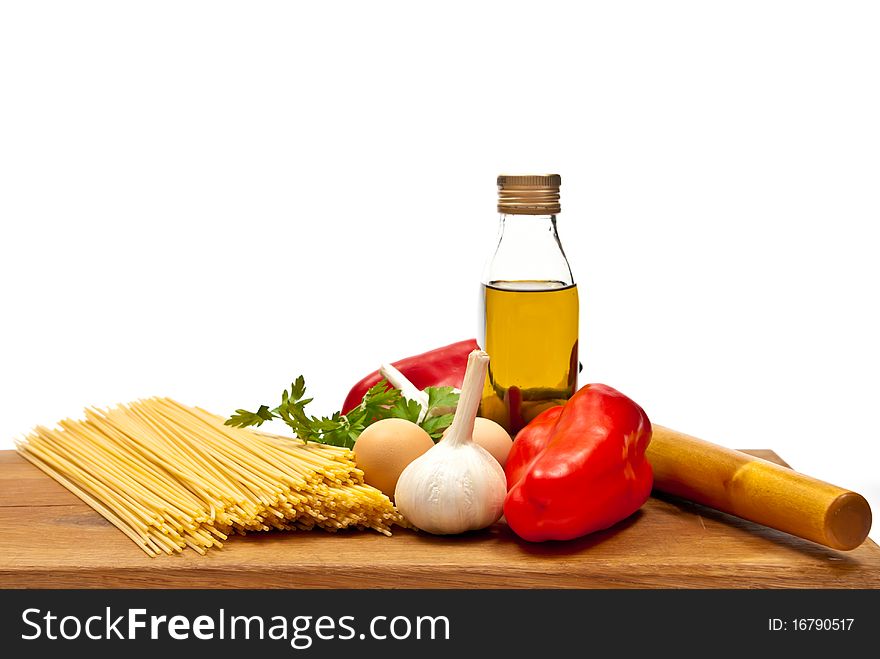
380 402
435 425
441 397
407 409
243 418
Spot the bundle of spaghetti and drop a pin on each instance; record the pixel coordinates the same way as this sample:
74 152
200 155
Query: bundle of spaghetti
170 476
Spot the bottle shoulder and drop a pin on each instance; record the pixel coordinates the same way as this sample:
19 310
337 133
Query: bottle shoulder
528 248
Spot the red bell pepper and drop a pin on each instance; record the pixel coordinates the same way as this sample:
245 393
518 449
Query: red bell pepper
443 367
579 467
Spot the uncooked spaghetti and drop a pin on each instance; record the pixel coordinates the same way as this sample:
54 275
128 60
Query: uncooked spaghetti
170 476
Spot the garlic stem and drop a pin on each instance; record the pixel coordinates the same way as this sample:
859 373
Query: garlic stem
399 381
462 429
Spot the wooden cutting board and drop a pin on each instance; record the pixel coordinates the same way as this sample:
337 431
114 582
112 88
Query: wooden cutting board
50 539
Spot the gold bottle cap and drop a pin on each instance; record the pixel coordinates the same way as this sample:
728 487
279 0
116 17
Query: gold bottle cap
529 195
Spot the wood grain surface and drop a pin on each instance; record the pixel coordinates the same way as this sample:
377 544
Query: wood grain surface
50 539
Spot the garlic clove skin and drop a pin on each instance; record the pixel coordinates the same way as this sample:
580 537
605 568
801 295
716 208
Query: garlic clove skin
447 490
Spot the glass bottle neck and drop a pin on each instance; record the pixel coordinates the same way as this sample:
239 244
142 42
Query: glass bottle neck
536 226
528 250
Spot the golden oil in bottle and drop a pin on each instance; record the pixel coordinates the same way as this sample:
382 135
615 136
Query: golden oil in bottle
529 307
531 335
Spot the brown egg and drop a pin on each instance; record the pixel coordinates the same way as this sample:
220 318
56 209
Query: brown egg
492 437
385 448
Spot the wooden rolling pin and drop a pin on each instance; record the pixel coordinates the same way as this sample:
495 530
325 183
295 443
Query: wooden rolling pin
757 490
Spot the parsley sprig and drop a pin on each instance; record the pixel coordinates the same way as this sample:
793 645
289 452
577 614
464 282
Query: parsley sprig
339 429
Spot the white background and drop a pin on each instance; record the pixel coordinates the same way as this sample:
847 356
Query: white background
204 200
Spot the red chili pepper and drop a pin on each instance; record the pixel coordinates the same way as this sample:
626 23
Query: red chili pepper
443 367
579 468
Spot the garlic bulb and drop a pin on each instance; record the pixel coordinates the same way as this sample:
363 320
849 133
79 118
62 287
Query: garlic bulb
456 485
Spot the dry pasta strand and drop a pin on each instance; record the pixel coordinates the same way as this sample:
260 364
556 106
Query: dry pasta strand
170 476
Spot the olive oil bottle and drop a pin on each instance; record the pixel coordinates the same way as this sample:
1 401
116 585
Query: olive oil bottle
529 307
